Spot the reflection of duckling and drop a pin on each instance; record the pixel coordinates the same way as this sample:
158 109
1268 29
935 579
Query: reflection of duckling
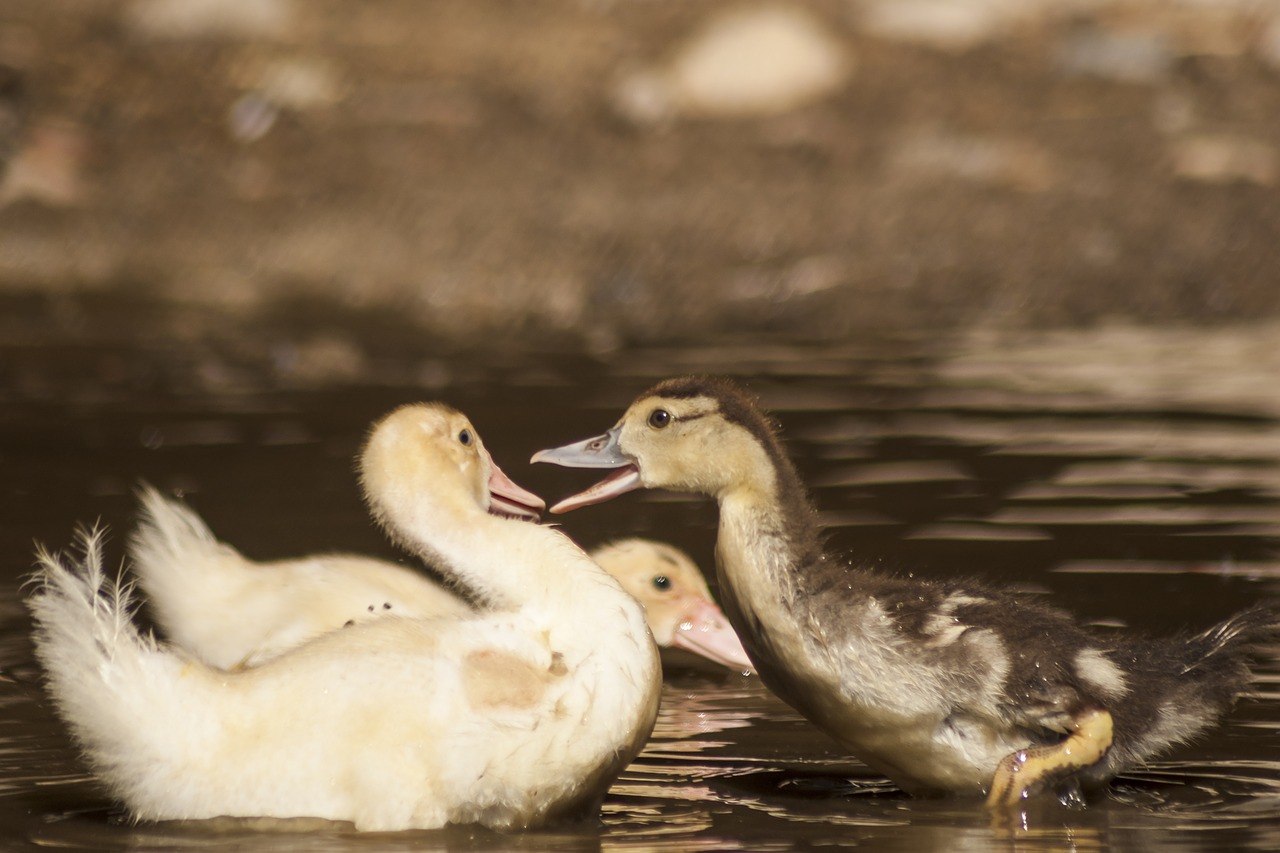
514 717
942 686
230 611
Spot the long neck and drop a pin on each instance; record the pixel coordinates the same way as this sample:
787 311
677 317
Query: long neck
772 508
536 581
475 552
769 558
509 565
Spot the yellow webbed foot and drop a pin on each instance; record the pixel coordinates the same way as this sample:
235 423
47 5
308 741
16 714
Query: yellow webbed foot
1027 770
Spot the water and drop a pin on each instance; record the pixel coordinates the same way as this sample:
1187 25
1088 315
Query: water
1134 476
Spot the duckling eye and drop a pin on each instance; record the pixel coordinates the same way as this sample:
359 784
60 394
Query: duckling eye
661 582
465 437
659 418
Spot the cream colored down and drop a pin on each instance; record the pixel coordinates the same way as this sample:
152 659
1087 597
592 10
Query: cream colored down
510 718
231 611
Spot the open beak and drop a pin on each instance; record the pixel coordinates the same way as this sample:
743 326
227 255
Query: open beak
599 452
508 499
705 631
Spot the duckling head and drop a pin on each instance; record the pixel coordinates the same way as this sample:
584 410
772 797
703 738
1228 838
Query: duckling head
426 460
692 434
678 606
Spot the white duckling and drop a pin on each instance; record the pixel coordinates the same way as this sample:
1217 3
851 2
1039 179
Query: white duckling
233 612
942 686
513 717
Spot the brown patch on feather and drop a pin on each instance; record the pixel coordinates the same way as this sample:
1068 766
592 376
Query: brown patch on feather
493 679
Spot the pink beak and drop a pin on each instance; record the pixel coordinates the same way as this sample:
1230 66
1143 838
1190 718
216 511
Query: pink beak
508 499
705 631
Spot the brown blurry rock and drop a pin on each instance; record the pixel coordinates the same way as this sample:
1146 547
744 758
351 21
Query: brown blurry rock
209 19
743 62
1223 159
931 153
945 24
298 83
1131 57
11 117
49 167
1269 41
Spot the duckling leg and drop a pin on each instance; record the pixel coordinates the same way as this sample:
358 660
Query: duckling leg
1023 770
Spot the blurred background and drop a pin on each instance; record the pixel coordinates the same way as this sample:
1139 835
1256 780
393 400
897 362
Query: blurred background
605 172
1007 271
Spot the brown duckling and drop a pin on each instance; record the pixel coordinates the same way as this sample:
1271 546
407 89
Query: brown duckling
944 686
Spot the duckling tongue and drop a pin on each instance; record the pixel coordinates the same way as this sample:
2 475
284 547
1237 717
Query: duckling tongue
508 499
621 481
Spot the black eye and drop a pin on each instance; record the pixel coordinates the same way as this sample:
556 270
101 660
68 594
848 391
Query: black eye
662 582
465 436
659 418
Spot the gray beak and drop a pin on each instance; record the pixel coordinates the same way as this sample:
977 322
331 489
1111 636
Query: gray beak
599 452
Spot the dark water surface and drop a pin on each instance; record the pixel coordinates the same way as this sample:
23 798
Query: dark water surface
1134 476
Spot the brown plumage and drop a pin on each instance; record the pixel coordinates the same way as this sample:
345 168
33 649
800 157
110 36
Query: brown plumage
952 686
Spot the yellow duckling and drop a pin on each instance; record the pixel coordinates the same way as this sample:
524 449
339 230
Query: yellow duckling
233 612
515 716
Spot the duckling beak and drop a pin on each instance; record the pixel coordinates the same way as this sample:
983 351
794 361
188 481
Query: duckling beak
705 631
508 499
602 451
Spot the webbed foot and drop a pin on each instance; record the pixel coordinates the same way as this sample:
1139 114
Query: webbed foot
1028 770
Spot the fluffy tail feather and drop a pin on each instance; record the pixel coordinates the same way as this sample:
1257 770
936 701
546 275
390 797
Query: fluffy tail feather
108 679
170 542
186 574
1188 683
1220 656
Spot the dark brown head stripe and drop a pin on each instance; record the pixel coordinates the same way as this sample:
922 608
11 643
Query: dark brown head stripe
739 407
735 405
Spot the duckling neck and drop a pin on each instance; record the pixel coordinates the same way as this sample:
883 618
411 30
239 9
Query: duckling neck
508 565
475 550
770 560
768 524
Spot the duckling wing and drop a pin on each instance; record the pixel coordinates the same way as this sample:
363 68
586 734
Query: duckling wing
1043 667
965 650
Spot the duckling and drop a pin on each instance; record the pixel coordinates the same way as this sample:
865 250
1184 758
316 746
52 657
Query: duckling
677 603
943 686
515 716
232 612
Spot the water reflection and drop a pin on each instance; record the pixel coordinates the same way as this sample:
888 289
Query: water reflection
1134 476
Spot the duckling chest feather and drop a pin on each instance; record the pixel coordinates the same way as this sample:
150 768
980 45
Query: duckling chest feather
849 667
